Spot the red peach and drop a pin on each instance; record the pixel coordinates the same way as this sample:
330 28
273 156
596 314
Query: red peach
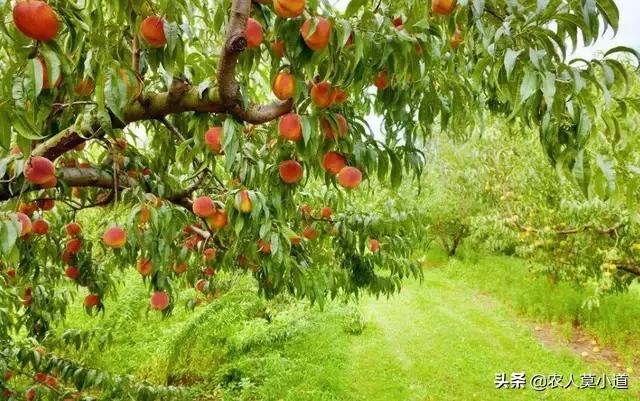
73 246
310 233
374 245
36 19
204 206
288 8
264 246
115 237
40 227
245 202
343 127
145 267
333 162
284 86
443 7
278 48
152 30
289 127
72 273
325 213
73 229
349 177
25 224
319 38
159 300
323 95
39 170
91 300
290 171
381 81
253 32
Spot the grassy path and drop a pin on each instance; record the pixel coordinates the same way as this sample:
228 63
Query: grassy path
444 341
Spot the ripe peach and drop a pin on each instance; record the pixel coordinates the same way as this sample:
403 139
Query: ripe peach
84 88
381 81
28 208
289 127
317 39
31 394
245 202
145 267
325 213
310 233
115 237
209 272
349 177
343 127
333 162
72 273
46 204
443 7
253 32
290 171
288 8
209 254
40 227
36 19
51 382
180 268
152 31
374 245
323 95
25 224
50 183
201 285
295 240
456 40
264 246
278 48
27 297
12 273
73 246
284 86
305 210
397 23
341 95
91 300
159 300
67 257
213 139
39 170
204 206
45 75
73 229
218 220
40 377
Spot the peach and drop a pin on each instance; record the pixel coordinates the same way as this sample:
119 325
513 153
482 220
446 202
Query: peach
209 272
264 246
114 237
290 171
341 96
25 224
456 39
306 210
152 31
333 162
381 81
289 127
245 202
72 273
50 183
73 229
45 75
397 23
278 48
39 170
159 300
91 300
374 245
201 285
318 38
213 138
144 215
209 254
46 204
325 213
323 95
180 268
144 267
349 177
288 8
27 296
443 7
203 206
73 246
28 208
40 227
7 376
218 220
31 394
36 20
253 32
295 240
84 88
343 127
310 233
67 256
284 86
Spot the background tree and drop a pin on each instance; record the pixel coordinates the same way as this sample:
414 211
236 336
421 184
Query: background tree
226 135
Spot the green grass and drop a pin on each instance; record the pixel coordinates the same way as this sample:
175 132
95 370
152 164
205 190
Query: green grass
443 339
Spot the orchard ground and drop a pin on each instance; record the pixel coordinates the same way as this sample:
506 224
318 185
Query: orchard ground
441 339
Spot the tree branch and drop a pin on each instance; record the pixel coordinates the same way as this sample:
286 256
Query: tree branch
235 43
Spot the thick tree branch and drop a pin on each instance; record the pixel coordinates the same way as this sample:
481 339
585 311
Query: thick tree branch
235 43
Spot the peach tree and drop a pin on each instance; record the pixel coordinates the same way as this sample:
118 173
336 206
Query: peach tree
231 135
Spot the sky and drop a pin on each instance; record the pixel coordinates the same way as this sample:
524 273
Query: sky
628 32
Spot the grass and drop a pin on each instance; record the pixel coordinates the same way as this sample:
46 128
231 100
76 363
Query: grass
443 339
